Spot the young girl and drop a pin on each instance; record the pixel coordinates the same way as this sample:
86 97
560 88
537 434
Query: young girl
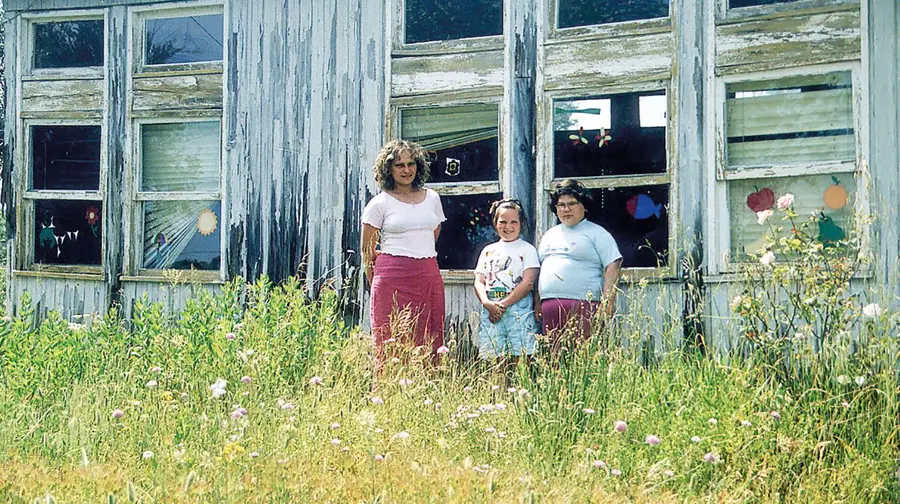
504 279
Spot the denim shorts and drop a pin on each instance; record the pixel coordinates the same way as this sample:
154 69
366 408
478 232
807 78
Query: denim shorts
513 334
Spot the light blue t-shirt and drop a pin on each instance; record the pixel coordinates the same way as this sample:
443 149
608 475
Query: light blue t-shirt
573 260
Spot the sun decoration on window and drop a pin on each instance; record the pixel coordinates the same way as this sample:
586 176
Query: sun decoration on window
207 222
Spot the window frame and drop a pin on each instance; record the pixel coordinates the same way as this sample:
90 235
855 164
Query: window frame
726 14
397 14
28 197
136 198
26 43
719 220
139 16
457 188
547 180
607 30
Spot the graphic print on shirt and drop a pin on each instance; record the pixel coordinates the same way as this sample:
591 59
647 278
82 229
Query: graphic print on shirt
502 273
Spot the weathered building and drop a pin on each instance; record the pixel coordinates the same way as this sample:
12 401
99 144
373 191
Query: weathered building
234 138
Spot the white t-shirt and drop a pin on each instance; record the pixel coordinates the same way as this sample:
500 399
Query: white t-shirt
407 229
503 265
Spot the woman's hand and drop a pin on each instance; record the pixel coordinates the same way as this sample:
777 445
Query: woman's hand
538 314
495 311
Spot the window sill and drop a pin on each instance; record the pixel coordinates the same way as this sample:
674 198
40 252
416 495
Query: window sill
181 277
70 74
458 277
176 70
776 11
67 274
611 30
439 47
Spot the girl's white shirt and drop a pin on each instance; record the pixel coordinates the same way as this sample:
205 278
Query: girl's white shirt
407 229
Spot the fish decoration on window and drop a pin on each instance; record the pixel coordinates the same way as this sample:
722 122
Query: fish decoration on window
579 138
452 167
642 206
603 138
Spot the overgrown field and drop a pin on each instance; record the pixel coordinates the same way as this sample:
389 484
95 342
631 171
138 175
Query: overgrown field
261 395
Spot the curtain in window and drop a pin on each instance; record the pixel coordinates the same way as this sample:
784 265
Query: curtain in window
787 121
180 156
446 127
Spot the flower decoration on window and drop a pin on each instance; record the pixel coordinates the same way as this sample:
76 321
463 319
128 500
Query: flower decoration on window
603 138
207 222
92 216
579 138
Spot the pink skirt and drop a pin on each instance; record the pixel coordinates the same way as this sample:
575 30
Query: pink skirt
407 303
567 322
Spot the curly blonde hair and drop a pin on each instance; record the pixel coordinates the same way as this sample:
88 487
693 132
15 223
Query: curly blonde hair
386 158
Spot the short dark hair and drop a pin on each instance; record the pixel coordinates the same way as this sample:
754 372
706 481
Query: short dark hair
386 157
573 188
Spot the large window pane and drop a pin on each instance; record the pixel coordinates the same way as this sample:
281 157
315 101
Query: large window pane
591 12
793 120
428 20
67 232
183 39
180 156
748 3
637 217
68 44
464 139
829 196
65 157
182 235
615 135
467 230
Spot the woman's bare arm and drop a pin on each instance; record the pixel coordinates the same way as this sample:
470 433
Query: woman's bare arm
369 242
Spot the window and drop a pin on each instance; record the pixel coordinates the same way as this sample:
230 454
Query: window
789 135
68 44
178 197
64 201
572 13
188 38
615 145
464 170
436 20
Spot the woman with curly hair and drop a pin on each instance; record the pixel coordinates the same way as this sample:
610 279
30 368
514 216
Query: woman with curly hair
400 227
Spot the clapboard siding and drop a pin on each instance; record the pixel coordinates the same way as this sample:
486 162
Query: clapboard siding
172 297
74 300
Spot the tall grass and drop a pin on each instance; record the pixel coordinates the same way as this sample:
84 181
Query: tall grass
421 434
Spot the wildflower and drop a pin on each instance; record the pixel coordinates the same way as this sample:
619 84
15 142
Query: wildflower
785 201
490 430
599 464
651 440
588 411
762 217
230 336
152 383
237 415
620 426
767 259
872 310
401 435
117 414
336 442
467 389
711 458
524 393
843 379
404 382
156 369
500 407
860 380
845 404
377 400
395 360
511 390
379 457
345 449
185 396
316 380
335 426
746 423
695 439
254 454
668 473
495 388
390 340
437 406
775 415
287 406
501 435
736 302
442 350
713 421
616 473
218 388
147 455
428 402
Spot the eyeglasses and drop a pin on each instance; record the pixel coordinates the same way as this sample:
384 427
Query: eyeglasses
570 204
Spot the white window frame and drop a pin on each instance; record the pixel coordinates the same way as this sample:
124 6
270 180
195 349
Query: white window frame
28 196
719 220
726 14
141 14
606 30
457 188
136 198
547 181
26 43
397 15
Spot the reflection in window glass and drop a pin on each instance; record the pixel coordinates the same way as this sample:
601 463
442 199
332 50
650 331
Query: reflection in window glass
180 156
463 138
182 235
67 232
68 44
829 196
430 20
591 12
637 217
616 135
793 120
467 230
748 3
183 39
65 158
